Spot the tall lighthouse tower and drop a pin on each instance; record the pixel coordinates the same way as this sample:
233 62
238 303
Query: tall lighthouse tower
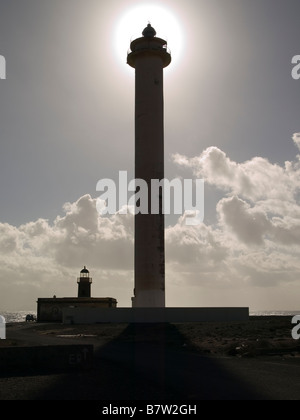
148 56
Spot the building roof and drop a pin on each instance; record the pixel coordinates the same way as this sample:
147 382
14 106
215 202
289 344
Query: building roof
75 300
149 32
85 270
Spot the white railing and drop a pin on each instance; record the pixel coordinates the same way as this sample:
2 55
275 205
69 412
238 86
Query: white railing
164 47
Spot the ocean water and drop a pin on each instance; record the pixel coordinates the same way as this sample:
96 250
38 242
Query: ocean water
16 316
21 315
274 313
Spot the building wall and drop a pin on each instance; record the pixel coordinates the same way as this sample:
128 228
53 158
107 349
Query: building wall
51 310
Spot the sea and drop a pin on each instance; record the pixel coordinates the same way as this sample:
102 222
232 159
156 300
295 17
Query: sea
13 317
20 316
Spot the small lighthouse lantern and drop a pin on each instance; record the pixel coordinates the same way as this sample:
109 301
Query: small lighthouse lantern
84 284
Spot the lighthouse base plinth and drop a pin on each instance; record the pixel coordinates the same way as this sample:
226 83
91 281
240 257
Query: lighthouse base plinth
149 299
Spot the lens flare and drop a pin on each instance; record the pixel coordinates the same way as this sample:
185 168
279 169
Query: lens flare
132 23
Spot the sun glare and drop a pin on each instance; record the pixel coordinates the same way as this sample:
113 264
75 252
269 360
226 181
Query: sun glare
132 23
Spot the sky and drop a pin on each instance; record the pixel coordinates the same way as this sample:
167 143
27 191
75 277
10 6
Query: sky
231 118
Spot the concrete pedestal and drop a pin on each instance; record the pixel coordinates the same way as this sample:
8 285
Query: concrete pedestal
153 315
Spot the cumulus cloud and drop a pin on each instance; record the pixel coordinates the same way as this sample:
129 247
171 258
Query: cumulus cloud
258 226
263 197
46 257
296 138
192 247
80 236
253 246
83 235
256 179
249 225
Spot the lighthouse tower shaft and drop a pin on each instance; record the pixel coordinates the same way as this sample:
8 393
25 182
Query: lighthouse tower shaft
149 56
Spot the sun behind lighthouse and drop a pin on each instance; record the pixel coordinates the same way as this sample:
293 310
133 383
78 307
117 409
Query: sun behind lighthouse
131 24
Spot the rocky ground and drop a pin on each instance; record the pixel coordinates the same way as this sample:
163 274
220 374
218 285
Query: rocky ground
257 360
259 337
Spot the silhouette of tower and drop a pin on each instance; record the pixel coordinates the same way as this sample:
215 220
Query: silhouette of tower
84 284
148 56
